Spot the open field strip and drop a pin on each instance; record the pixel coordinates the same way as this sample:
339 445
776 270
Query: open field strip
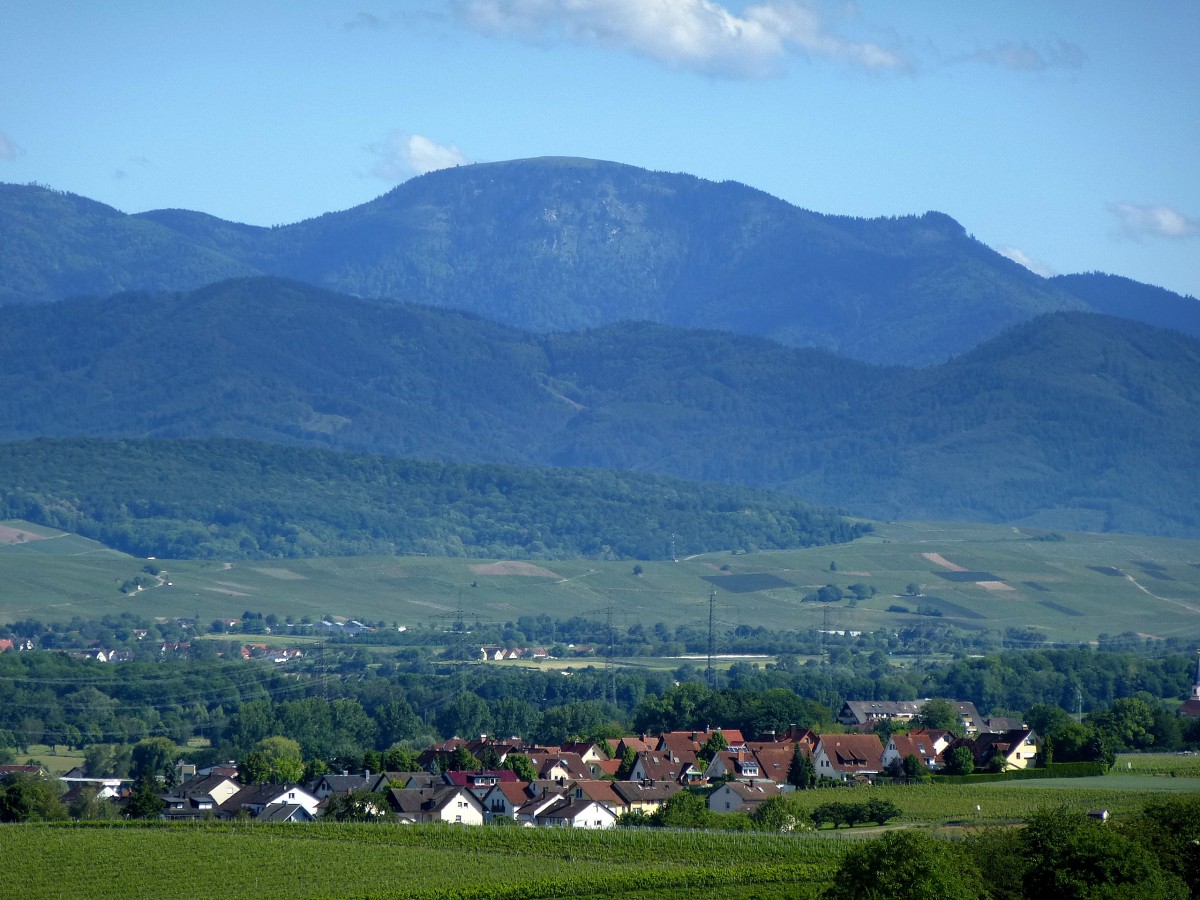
401 861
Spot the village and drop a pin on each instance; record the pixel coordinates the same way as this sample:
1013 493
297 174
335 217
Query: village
592 784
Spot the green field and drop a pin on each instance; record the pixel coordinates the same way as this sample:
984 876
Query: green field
366 860
325 860
1068 590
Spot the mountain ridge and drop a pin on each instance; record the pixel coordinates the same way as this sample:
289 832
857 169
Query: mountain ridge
559 243
1113 404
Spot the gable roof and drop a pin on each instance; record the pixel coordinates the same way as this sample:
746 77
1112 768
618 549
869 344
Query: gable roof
427 800
344 784
285 812
1190 708
775 762
914 744
485 778
852 753
646 791
567 809
261 795
602 792
516 793
751 793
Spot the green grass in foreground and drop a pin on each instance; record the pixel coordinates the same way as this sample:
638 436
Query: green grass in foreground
323 860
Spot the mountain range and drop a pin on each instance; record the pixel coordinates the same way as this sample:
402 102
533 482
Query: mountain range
1068 420
559 244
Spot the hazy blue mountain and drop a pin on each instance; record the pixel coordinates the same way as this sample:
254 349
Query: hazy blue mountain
55 245
1070 420
559 244
1113 295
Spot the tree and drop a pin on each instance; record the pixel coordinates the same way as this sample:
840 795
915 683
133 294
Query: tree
1170 829
802 774
914 770
463 760
1128 723
628 761
1046 720
30 798
356 806
520 764
152 757
467 715
144 802
399 759
905 865
960 761
683 810
89 806
880 811
1080 742
1071 856
939 713
274 760
715 744
781 814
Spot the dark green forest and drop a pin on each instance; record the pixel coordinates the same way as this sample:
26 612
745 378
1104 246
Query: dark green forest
227 499
1070 421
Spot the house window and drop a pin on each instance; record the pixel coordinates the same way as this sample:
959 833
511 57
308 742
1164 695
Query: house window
458 818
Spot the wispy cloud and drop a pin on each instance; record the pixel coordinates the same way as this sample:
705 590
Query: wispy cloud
366 20
1017 255
1026 57
697 35
8 149
1153 220
403 155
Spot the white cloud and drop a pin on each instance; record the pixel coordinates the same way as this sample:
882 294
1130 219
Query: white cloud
8 150
1017 255
1153 220
698 35
1025 57
403 155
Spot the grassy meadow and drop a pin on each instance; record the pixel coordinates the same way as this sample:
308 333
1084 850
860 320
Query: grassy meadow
979 577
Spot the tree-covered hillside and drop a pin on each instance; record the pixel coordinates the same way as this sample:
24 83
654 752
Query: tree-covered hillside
1071 421
54 245
563 244
236 499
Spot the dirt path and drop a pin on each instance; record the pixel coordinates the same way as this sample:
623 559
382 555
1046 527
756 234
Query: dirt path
1179 603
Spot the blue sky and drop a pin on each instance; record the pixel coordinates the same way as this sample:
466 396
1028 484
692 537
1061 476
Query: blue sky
1065 134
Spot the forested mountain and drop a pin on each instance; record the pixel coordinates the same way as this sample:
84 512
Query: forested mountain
1068 421
54 244
562 244
235 499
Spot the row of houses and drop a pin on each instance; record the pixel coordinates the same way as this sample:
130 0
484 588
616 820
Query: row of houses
866 714
576 784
